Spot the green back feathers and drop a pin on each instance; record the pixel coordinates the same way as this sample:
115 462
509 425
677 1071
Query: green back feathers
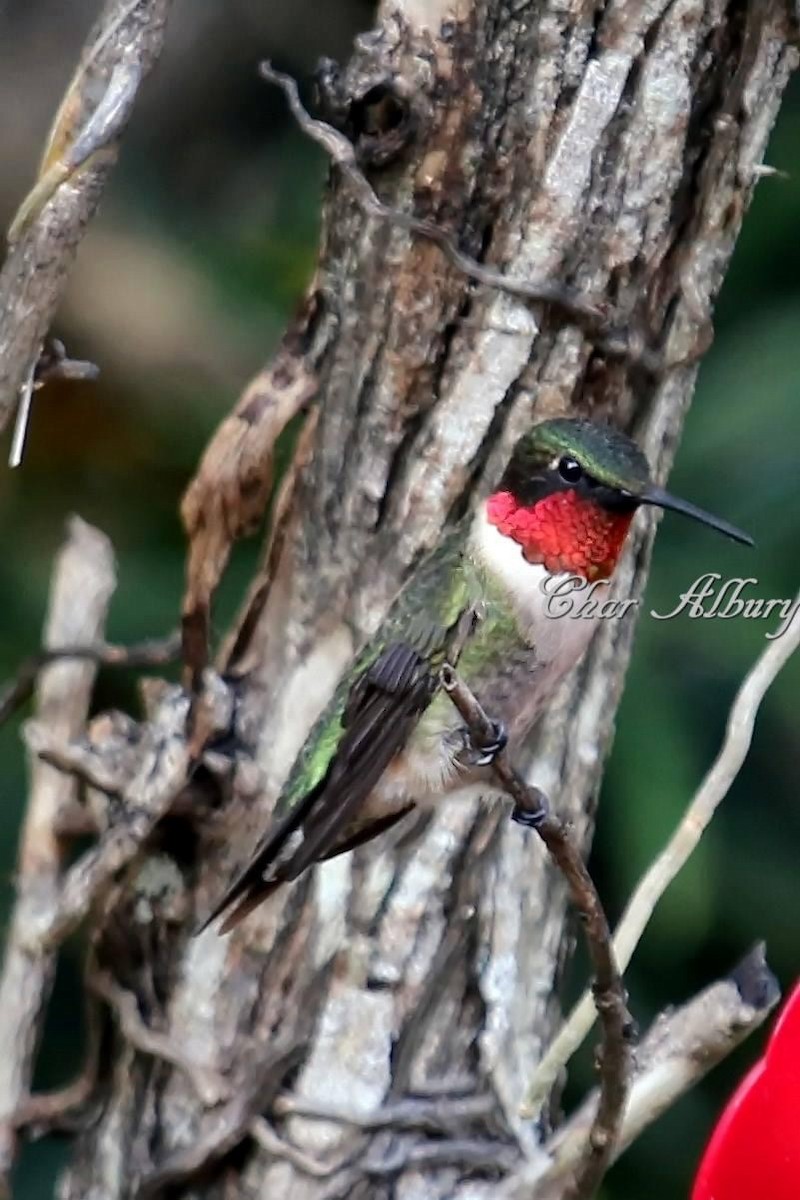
423 616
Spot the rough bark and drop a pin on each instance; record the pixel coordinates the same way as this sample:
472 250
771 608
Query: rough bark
612 146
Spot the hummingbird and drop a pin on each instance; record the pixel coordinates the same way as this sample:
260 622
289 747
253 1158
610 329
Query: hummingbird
390 739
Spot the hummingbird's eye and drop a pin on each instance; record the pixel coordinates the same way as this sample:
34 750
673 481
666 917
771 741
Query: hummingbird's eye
570 470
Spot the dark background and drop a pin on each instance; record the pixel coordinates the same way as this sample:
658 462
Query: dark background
182 286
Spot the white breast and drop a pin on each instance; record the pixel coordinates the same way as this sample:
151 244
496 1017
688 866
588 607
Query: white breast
559 641
426 770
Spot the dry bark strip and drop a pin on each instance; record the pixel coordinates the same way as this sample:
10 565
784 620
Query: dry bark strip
228 497
122 47
607 146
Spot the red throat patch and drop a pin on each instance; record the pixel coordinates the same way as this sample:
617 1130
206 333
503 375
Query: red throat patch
564 531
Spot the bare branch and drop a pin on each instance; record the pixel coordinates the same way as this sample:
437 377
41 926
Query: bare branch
225 1126
154 652
164 763
73 759
676 853
266 1137
82 149
65 1108
83 583
679 1049
608 991
412 1113
209 1085
582 309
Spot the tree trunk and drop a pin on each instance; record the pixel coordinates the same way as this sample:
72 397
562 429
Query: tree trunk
608 146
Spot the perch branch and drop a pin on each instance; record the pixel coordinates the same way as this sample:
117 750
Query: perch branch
608 991
678 1050
81 151
83 582
676 853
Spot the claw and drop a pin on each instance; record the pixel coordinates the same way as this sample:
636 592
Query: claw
530 818
483 755
487 752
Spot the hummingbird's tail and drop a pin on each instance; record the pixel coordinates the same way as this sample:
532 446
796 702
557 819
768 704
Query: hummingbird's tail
250 899
382 708
265 871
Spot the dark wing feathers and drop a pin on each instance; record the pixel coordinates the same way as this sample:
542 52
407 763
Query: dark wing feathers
250 882
364 755
367 832
382 708
399 669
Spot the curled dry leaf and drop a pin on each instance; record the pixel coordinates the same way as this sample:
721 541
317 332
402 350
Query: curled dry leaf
229 494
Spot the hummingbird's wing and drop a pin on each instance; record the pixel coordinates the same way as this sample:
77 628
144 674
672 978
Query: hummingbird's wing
366 726
384 704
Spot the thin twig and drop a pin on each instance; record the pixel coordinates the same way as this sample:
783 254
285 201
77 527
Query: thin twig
224 1127
63 1109
154 652
411 1113
163 768
464 1153
52 364
678 1050
44 236
262 1132
676 853
83 582
74 759
210 1086
585 311
608 991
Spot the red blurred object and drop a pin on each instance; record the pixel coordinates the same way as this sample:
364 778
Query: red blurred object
754 1152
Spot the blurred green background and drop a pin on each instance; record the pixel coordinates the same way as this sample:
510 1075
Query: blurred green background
181 289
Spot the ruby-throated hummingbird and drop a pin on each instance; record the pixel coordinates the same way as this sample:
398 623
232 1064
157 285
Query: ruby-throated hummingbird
391 739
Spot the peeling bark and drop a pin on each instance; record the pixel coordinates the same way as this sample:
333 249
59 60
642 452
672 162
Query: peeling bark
611 146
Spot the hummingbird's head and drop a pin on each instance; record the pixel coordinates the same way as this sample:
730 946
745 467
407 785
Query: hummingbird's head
569 493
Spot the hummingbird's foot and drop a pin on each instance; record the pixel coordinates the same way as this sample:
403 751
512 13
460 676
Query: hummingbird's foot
531 818
483 754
